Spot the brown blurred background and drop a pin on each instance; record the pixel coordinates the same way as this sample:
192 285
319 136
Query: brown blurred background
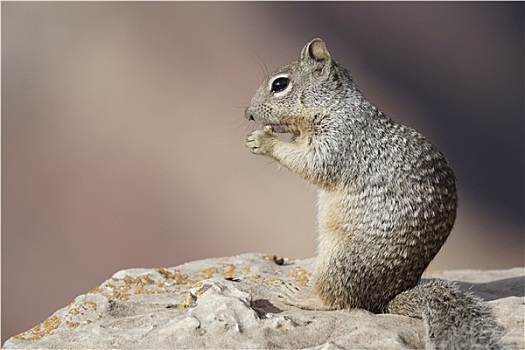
123 131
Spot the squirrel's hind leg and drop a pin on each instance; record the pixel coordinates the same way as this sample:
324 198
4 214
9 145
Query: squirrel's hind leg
302 298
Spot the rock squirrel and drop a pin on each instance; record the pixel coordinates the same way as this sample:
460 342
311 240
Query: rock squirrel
387 200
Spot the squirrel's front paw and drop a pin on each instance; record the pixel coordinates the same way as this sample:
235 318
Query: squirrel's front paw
260 142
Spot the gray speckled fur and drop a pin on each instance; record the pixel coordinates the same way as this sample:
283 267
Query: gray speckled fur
453 319
387 196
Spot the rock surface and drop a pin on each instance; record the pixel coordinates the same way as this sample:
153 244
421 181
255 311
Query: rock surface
233 302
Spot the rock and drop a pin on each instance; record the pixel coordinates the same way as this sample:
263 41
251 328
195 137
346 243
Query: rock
234 302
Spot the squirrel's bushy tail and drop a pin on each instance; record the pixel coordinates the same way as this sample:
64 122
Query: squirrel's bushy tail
453 319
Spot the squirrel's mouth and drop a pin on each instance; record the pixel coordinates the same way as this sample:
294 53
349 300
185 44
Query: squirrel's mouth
276 128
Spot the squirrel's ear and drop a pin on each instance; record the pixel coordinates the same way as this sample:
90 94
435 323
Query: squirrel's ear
315 51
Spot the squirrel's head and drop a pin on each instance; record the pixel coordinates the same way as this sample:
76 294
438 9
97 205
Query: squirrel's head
292 97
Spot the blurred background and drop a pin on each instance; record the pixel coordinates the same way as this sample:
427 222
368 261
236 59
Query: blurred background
123 131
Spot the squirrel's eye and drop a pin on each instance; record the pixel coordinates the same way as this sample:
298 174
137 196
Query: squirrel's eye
280 84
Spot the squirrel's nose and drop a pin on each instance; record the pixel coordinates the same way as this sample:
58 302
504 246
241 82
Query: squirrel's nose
248 115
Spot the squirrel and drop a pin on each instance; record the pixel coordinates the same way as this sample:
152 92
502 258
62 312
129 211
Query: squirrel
386 201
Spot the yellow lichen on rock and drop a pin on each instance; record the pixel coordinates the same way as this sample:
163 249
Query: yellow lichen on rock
81 308
40 330
226 270
301 276
175 276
